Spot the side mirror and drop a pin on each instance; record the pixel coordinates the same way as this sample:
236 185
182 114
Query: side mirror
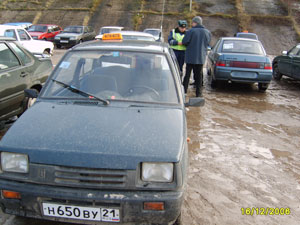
208 48
284 52
195 102
31 93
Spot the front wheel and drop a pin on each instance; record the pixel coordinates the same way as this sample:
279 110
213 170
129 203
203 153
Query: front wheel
262 87
179 220
276 73
30 101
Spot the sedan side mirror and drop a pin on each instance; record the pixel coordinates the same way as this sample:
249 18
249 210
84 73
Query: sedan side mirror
284 52
195 102
31 93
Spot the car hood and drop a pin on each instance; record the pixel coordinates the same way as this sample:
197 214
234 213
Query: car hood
35 33
68 35
97 136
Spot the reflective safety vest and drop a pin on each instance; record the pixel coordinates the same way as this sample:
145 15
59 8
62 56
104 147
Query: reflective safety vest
178 37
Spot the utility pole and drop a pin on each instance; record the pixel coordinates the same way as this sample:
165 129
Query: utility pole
191 1
162 15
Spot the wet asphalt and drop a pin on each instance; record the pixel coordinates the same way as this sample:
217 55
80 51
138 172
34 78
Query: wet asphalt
244 153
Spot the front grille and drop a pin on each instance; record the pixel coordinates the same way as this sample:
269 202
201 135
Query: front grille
89 178
64 38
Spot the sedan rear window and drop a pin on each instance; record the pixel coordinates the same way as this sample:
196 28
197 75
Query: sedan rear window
115 75
242 46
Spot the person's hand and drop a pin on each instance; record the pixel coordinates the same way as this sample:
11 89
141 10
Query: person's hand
179 43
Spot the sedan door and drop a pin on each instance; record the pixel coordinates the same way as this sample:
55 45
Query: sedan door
13 81
296 66
286 61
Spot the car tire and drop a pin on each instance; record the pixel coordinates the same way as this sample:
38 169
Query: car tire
276 74
44 39
179 220
213 83
58 46
46 52
80 41
262 87
30 101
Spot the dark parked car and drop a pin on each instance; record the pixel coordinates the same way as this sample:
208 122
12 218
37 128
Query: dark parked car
246 35
74 35
106 140
287 64
46 32
19 70
240 60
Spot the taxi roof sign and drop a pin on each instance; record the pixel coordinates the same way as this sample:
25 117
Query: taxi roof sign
112 37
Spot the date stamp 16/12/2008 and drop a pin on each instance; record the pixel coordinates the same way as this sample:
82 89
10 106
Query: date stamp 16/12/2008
265 211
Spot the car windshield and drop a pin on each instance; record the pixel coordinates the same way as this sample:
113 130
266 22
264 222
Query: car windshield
138 38
242 46
108 30
77 30
115 76
38 28
153 32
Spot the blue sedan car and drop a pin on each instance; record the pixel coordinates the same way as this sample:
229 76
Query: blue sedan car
240 60
105 142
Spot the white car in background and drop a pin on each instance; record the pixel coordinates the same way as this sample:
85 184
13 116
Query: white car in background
157 33
137 36
24 38
111 29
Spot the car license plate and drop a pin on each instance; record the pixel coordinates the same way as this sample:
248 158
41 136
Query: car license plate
81 213
64 41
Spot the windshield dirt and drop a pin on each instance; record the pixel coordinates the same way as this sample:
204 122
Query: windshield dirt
115 75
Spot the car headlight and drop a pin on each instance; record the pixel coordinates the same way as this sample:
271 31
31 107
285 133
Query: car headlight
72 38
14 162
57 38
157 172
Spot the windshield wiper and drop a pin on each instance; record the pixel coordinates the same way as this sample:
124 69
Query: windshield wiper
76 90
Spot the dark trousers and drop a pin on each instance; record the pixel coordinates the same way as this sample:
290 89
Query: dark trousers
198 76
180 58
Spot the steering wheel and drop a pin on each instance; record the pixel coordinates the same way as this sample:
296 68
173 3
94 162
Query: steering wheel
130 90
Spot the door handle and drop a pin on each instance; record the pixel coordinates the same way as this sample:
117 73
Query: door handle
23 74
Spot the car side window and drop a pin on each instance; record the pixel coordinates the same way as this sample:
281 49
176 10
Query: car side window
25 58
294 50
10 33
23 35
7 58
50 29
216 46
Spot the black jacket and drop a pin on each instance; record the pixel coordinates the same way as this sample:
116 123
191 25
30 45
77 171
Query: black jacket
197 40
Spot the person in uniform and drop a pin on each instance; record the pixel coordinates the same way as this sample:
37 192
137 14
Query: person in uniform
175 40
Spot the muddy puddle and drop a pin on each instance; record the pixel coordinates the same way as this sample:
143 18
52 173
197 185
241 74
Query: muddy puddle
244 152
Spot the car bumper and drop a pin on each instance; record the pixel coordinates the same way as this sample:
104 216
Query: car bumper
243 75
70 43
129 203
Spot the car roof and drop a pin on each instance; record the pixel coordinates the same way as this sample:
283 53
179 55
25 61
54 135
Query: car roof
17 23
136 33
153 29
2 38
10 27
126 45
45 25
112 27
239 38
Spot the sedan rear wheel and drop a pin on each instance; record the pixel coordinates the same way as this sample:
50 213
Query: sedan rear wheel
262 87
276 74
